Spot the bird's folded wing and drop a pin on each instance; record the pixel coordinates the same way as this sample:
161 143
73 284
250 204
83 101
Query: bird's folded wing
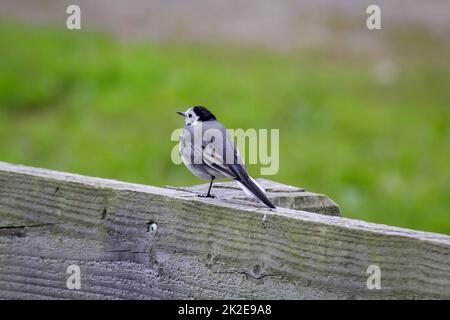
214 159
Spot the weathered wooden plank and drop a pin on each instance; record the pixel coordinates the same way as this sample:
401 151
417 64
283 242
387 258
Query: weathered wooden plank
203 248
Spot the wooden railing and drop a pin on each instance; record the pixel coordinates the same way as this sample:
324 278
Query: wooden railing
70 236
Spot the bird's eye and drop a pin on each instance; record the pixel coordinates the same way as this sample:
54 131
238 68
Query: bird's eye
190 115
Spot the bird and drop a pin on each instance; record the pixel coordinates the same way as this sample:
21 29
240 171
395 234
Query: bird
209 153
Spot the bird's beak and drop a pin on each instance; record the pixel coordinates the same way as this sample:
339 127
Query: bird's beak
181 114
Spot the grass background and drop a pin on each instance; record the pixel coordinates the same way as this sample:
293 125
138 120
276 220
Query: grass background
371 134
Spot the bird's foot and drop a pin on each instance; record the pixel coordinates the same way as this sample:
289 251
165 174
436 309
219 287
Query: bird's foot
207 196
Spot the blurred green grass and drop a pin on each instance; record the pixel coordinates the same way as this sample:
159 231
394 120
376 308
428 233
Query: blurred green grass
377 142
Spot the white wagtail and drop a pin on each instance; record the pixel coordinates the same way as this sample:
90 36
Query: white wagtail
210 154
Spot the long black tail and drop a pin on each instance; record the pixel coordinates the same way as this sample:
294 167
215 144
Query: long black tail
252 188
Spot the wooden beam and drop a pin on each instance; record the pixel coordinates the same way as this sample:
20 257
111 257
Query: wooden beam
137 242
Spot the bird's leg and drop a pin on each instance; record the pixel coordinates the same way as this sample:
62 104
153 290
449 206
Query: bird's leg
209 195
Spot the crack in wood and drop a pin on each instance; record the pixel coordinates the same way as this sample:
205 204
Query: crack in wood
28 226
246 273
125 251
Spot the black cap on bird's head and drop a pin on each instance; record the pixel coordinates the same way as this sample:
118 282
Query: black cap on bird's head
197 113
203 113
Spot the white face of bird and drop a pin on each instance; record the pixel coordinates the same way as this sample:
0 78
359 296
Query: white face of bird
190 117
